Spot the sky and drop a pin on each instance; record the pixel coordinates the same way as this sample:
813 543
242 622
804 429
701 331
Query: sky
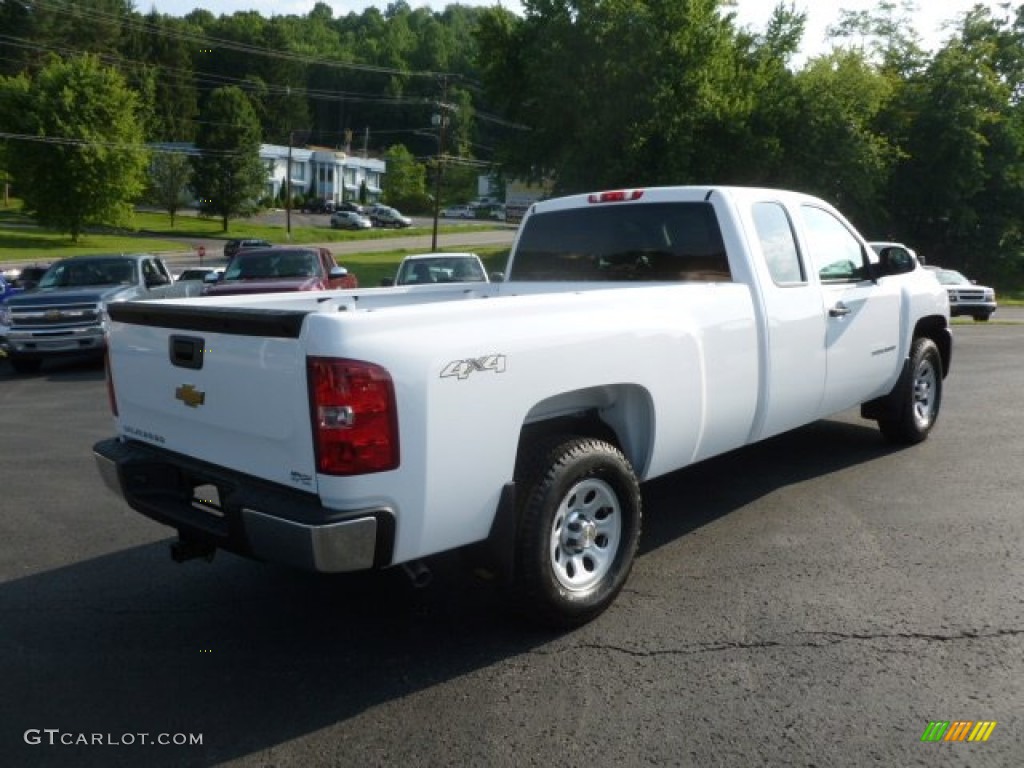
927 21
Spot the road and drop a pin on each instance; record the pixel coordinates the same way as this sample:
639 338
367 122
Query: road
814 600
500 235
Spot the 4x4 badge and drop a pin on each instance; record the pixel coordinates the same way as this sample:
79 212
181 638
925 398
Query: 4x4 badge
190 396
460 369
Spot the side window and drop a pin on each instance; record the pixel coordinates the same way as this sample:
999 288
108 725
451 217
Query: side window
834 252
151 275
778 244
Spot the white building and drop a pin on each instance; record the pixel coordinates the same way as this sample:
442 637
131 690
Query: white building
316 171
322 172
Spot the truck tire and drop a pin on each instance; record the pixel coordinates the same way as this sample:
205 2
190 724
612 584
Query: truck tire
918 396
25 365
579 521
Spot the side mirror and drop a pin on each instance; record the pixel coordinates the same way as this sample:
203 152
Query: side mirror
894 261
337 272
154 280
211 277
496 277
387 282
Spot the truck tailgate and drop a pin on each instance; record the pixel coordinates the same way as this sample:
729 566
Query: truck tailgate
223 385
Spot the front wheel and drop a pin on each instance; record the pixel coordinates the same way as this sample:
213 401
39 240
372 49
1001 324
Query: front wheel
579 526
918 396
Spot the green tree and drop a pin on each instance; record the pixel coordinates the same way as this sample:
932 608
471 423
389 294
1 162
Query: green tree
405 182
886 34
17 21
169 175
615 91
229 176
752 150
833 148
960 188
161 71
82 161
459 182
95 26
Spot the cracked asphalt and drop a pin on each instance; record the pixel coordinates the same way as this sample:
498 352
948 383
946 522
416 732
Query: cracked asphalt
815 600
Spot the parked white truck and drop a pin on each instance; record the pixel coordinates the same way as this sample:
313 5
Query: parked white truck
638 331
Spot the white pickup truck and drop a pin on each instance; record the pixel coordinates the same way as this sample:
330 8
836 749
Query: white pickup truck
639 331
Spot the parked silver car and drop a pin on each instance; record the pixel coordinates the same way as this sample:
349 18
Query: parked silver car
383 216
349 220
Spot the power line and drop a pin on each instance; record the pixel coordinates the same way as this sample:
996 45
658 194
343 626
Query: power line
91 143
205 80
185 36
212 80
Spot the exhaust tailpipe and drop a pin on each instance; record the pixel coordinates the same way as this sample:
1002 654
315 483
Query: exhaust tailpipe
418 572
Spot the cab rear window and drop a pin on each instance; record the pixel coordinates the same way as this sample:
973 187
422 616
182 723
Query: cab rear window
665 242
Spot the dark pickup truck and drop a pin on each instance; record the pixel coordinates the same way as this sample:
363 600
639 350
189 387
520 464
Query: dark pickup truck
66 314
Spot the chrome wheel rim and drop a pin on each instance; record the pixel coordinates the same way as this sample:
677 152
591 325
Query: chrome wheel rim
585 535
926 393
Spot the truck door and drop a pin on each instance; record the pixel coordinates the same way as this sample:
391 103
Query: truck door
862 317
793 355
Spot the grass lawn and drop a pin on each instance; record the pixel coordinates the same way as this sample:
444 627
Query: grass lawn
152 223
22 241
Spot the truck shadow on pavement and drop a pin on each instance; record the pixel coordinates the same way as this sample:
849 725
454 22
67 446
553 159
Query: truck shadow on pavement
254 656
248 655
682 501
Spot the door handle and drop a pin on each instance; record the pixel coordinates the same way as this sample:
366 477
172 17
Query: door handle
839 310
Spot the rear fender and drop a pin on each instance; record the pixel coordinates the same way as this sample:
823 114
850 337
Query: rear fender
620 414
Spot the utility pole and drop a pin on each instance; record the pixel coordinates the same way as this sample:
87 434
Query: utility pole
440 120
288 187
303 136
348 151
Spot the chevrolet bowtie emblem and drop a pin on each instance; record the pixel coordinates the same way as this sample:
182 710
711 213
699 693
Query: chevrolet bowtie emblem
190 396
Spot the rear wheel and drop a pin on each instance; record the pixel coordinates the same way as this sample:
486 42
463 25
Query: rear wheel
579 526
918 396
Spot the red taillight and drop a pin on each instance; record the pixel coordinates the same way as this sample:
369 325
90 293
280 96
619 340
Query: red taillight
355 424
618 196
111 395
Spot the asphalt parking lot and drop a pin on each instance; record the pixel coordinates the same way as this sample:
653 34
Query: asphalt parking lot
814 600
